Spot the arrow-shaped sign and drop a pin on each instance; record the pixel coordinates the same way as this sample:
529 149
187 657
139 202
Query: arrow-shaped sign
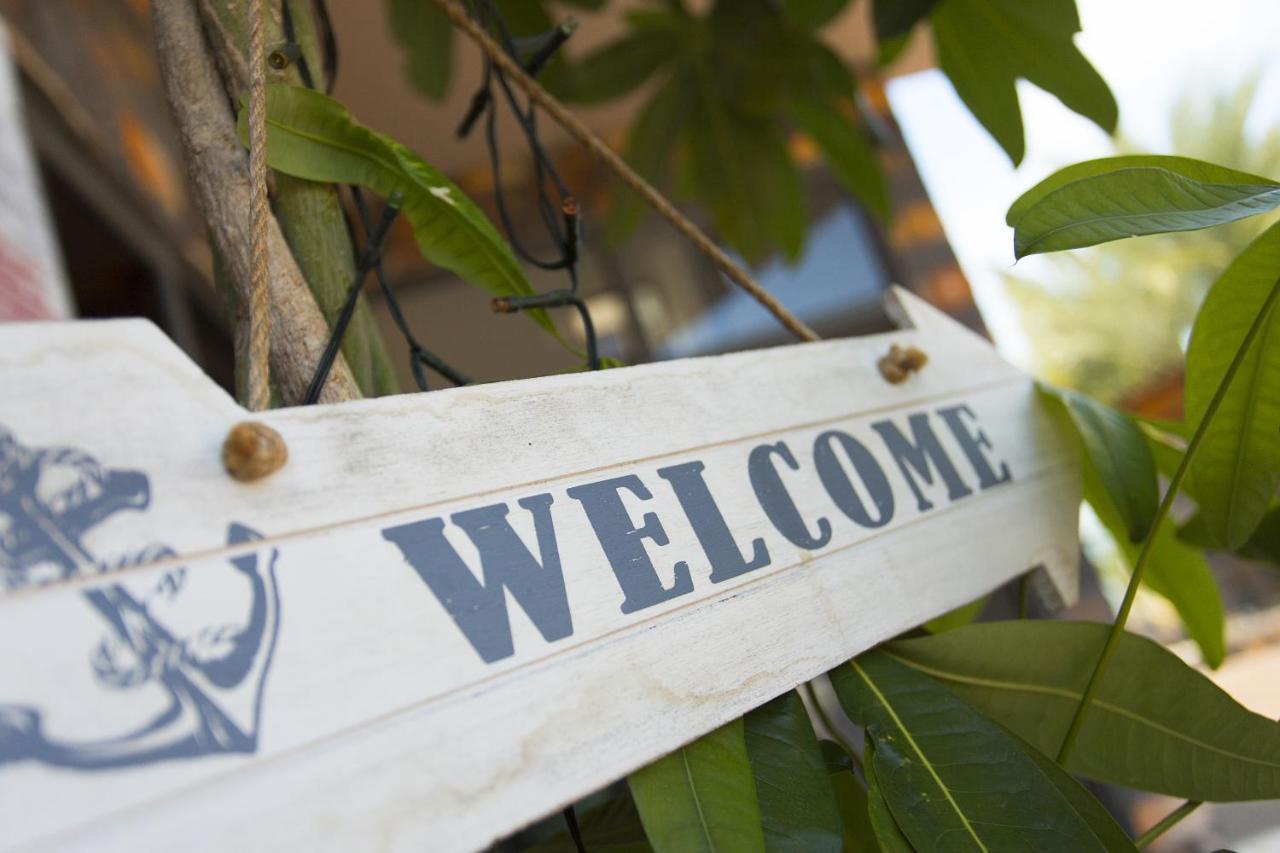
492 600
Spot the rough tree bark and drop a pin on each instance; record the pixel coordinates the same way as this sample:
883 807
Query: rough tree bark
310 213
218 170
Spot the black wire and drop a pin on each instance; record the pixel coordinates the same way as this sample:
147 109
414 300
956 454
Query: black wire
418 355
290 36
371 258
563 229
329 44
571 818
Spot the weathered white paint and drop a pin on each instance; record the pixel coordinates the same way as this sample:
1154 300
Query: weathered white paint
380 726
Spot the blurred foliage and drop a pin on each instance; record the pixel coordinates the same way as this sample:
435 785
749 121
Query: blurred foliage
421 28
1113 320
727 86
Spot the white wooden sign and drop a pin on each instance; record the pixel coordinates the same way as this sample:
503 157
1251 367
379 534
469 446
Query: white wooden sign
450 614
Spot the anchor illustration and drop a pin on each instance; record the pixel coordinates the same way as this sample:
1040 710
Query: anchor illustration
211 675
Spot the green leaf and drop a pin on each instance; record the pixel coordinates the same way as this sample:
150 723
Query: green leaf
611 827
648 151
1264 544
890 50
426 34
1236 471
524 18
895 19
1118 452
1166 448
1175 571
984 46
701 797
312 136
812 14
798 809
1102 200
827 72
958 618
888 834
739 167
848 151
618 67
1187 167
1104 826
953 779
1180 574
851 797
1156 724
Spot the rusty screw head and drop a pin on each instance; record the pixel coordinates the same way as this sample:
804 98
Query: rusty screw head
900 363
252 451
284 55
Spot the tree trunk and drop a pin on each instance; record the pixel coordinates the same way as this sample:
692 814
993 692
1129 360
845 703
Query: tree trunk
218 170
310 213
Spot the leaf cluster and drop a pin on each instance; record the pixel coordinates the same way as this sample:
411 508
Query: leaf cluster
725 90
960 723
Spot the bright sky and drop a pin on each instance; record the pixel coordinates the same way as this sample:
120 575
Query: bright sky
1150 51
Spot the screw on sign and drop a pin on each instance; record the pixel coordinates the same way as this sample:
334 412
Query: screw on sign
496 599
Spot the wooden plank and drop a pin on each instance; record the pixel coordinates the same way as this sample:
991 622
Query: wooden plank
346 665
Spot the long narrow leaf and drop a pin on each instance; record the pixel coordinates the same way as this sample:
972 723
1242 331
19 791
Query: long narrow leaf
1187 167
648 151
1175 571
701 797
889 837
739 166
798 808
952 778
426 35
1103 200
1236 472
1156 725
312 136
847 149
1118 453
1104 826
851 796
897 18
618 67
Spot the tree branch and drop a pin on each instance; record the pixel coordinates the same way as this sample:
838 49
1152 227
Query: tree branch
218 170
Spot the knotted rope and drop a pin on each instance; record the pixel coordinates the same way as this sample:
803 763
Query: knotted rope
258 380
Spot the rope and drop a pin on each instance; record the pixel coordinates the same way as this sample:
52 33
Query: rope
258 384
586 137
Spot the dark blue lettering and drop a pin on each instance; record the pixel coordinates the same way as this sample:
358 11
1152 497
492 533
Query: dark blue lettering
708 524
918 454
480 609
776 501
623 542
840 487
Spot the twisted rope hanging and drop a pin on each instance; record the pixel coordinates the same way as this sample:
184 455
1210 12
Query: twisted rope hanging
258 384
618 166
